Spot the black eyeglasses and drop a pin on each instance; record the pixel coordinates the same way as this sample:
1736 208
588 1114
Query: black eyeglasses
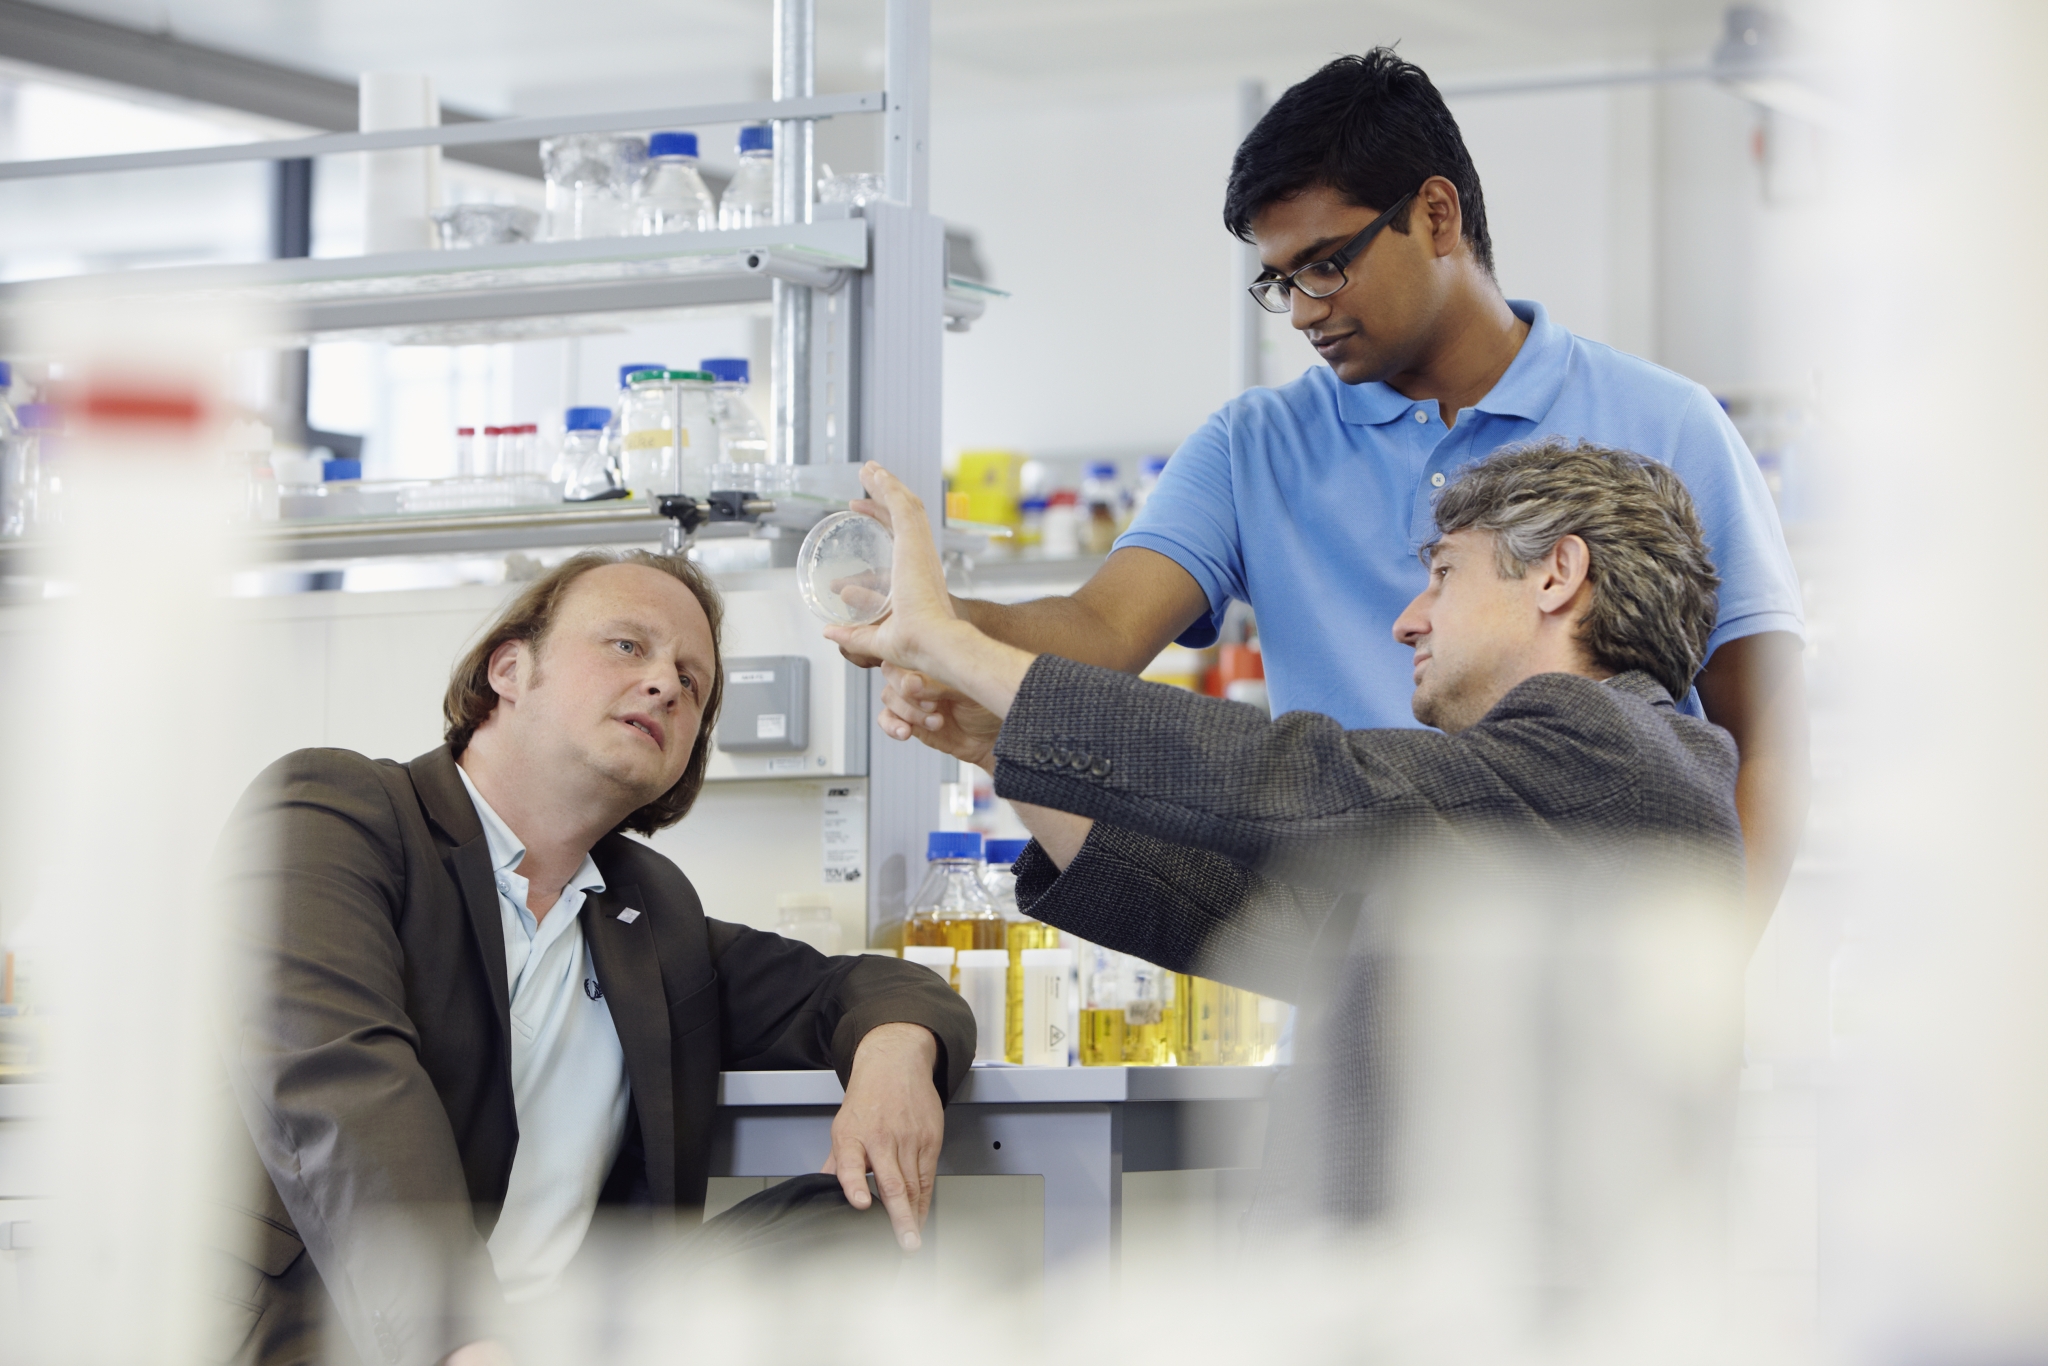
1321 279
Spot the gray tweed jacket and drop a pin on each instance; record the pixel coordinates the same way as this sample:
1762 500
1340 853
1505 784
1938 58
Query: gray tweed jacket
1272 854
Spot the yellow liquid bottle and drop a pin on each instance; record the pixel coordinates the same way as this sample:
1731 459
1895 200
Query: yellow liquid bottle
1146 1043
1021 934
952 909
1199 1042
1102 1036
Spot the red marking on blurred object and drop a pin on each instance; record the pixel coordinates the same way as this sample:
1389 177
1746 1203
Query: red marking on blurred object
138 406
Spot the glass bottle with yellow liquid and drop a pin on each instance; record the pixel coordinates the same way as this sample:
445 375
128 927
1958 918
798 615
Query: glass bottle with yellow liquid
1148 1014
1020 932
952 908
1102 1007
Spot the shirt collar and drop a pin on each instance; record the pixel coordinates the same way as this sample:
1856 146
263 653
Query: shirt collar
1527 390
508 850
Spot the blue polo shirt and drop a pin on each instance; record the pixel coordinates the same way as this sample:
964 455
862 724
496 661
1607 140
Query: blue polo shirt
1312 501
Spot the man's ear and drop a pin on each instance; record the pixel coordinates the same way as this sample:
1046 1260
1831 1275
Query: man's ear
1436 210
504 669
1562 573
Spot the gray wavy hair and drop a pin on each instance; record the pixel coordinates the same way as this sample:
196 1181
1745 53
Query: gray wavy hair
1653 585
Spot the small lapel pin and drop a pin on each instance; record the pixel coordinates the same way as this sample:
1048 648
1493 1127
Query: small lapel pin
628 916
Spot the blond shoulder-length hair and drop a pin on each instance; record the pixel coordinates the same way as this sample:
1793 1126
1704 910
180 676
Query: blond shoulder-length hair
471 699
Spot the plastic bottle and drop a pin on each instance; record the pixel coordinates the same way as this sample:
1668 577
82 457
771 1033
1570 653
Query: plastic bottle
1030 524
41 466
952 907
465 452
937 957
740 438
984 976
1020 932
1061 537
17 476
807 917
671 195
1105 501
749 199
667 438
1148 480
1046 1018
583 470
1101 1040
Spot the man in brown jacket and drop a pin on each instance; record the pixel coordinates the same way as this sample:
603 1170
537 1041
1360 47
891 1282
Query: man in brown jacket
478 1010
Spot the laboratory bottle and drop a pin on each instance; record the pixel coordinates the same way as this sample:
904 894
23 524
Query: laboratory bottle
1020 932
1030 524
465 452
952 907
582 469
1061 527
937 957
1046 1012
613 443
740 438
1101 984
15 473
1148 1004
807 917
984 977
1103 498
670 195
749 199
42 466
1148 480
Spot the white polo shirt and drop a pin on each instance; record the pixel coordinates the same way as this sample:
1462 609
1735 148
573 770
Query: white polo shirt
569 1085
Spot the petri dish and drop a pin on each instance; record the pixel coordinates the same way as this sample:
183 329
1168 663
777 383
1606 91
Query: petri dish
843 569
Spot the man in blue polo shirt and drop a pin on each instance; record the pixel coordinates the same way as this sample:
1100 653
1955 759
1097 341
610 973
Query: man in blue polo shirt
1311 501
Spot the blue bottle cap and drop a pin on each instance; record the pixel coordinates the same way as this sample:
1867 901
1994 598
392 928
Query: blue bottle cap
331 470
1101 469
953 844
627 372
1154 464
40 415
588 419
758 138
672 145
1031 505
1005 852
6 374
726 369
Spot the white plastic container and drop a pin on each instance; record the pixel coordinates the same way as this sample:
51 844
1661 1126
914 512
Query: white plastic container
749 200
984 985
1047 1021
937 957
671 195
807 916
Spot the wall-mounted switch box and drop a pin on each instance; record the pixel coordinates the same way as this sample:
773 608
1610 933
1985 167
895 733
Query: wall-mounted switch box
767 707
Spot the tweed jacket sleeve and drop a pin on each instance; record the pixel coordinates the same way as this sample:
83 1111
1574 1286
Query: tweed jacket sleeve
1299 799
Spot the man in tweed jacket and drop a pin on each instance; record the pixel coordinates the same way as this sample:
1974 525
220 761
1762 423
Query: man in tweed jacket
1569 598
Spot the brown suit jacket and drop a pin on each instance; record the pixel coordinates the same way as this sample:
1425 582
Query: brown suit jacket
371 1058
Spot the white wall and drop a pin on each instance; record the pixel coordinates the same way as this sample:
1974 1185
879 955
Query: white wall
1637 216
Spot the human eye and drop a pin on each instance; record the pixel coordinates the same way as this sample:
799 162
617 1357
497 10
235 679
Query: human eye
626 646
1320 275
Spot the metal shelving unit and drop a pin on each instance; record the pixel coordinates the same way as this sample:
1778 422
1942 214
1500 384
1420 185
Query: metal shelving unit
860 304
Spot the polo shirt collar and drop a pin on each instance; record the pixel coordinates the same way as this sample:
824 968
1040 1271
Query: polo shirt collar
1532 382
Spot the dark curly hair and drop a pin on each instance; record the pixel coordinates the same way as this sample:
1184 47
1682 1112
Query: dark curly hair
1653 600
471 699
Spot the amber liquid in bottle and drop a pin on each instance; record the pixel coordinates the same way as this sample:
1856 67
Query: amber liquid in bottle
1021 935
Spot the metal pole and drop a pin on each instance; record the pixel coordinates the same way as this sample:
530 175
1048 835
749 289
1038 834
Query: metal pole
796 69
1247 370
906 124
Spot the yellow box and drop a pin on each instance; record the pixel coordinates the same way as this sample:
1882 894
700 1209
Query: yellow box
989 481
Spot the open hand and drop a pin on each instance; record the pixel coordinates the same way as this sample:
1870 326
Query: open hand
914 706
892 1124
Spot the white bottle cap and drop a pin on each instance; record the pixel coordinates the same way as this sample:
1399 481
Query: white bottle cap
931 955
1046 958
984 958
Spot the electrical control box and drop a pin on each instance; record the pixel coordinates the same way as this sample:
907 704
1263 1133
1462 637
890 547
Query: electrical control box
767 707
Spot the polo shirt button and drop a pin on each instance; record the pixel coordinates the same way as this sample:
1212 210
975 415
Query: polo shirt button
1437 480
1100 768
1421 416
